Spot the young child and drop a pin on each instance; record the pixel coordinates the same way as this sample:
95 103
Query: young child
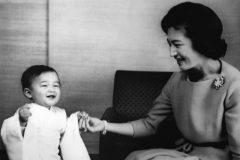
39 129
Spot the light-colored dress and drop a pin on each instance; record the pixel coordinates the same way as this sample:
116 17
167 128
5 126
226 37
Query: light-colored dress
204 115
46 131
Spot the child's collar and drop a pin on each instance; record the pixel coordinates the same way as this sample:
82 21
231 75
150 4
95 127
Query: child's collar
48 108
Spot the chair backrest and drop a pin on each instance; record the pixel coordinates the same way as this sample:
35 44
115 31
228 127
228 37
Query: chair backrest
135 91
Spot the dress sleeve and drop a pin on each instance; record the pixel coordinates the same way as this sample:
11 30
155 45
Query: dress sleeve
161 109
232 119
12 137
63 120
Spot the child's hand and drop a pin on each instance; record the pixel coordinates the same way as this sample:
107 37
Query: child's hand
24 114
82 120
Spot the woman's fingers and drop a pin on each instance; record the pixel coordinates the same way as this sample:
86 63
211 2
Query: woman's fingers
89 124
94 124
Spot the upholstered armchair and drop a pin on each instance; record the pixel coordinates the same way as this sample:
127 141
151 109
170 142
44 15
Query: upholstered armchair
133 96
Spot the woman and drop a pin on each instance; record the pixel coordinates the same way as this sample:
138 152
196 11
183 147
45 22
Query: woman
204 96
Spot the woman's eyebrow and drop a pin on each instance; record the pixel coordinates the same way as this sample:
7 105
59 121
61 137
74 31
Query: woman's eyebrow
173 41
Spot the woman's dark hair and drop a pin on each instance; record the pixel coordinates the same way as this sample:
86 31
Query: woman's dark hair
202 26
32 72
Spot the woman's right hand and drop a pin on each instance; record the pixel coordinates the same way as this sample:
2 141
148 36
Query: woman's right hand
24 114
94 124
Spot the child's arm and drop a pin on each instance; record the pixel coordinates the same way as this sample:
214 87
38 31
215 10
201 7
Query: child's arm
12 136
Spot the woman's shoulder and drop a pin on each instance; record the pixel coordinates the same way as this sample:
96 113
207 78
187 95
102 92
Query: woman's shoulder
232 78
230 72
177 76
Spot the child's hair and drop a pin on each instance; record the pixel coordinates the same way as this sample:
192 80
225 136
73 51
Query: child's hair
32 72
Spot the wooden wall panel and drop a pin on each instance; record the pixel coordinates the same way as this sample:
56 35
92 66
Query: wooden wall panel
91 39
22 43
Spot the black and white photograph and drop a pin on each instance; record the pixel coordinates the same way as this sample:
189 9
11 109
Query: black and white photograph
119 80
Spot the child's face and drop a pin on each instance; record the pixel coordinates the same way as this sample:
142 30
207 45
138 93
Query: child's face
45 89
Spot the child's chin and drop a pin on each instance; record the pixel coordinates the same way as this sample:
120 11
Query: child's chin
51 104
183 68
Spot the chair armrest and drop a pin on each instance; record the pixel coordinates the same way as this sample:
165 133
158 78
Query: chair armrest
113 146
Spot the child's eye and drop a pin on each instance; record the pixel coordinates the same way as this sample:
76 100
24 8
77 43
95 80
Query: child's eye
43 85
56 85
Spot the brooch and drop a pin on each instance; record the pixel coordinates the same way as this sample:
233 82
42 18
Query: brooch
218 82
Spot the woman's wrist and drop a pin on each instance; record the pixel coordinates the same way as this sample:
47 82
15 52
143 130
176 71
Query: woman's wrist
104 131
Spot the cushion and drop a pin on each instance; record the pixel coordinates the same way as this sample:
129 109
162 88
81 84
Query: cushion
135 91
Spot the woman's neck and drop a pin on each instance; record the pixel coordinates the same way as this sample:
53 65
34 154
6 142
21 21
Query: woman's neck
204 71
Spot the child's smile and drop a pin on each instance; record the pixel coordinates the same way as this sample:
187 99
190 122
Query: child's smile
51 96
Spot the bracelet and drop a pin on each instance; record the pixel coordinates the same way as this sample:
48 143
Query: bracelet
105 127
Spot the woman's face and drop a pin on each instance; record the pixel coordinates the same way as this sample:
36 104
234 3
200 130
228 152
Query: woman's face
181 49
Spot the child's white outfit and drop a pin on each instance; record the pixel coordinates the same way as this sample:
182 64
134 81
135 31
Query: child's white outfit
47 129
